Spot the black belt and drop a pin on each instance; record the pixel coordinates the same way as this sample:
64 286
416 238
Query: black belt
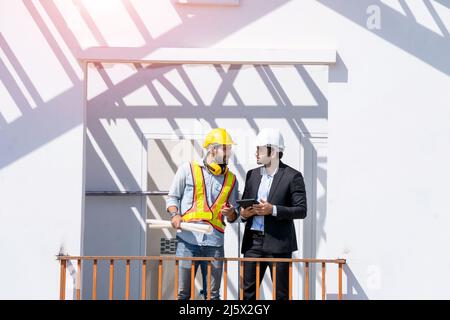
257 233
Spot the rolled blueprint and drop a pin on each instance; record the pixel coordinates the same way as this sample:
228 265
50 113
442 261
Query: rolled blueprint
159 224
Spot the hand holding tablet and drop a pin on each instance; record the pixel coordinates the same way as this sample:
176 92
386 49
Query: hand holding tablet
245 203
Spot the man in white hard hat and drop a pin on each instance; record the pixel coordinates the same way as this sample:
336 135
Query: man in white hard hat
269 230
204 192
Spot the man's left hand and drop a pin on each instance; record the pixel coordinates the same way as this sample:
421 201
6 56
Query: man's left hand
264 208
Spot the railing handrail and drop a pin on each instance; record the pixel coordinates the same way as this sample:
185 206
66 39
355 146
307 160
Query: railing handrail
156 258
143 259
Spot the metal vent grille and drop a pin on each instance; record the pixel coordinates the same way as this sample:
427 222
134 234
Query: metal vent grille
168 246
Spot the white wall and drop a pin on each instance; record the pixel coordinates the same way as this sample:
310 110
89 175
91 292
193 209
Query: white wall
41 153
387 181
387 119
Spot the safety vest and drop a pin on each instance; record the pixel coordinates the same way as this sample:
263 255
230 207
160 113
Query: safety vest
200 210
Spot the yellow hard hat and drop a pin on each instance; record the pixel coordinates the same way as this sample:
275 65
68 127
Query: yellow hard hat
218 136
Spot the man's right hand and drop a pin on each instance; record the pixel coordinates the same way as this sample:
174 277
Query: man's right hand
248 212
176 221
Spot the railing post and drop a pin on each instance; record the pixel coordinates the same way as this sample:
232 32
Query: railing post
208 286
78 286
160 276
258 270
111 279
127 280
306 280
241 280
274 280
175 290
225 279
62 280
340 282
94 280
324 290
144 280
290 280
192 280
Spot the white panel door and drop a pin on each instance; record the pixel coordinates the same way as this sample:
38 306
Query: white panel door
165 153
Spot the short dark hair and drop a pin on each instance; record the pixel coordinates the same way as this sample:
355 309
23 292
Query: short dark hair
269 152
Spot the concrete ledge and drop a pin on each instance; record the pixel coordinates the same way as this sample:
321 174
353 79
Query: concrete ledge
209 2
209 55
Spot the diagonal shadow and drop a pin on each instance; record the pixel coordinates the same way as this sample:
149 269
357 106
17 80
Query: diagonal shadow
187 81
22 75
32 131
227 87
3 122
59 54
355 291
131 85
437 18
97 110
13 89
176 36
90 23
41 133
134 15
407 10
445 3
397 29
105 142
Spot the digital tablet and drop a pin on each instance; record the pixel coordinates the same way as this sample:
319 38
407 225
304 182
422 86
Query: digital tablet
245 203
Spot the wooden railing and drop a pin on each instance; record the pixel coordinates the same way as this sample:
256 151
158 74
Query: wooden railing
143 259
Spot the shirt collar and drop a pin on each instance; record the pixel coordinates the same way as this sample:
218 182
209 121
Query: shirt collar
200 162
264 171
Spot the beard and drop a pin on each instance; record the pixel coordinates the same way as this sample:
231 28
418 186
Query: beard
264 160
221 159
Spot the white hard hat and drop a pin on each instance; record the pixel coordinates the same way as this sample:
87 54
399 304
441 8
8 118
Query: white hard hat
270 137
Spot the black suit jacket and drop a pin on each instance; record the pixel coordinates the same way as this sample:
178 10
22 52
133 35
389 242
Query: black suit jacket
288 194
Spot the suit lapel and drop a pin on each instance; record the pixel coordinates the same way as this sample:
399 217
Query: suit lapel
257 181
276 180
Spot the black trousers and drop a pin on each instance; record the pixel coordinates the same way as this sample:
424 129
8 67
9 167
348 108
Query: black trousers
282 270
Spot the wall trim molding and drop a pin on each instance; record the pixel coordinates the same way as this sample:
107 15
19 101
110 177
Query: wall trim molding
210 56
208 2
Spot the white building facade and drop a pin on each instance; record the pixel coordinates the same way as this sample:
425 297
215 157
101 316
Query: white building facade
101 101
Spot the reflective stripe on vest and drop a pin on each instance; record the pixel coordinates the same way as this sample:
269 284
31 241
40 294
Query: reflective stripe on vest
200 210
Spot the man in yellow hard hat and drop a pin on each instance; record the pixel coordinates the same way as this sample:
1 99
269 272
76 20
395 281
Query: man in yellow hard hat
204 192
